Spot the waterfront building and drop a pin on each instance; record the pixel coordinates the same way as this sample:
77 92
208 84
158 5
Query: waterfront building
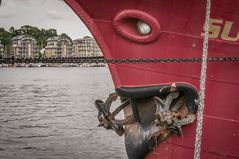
59 46
24 46
86 47
42 51
1 50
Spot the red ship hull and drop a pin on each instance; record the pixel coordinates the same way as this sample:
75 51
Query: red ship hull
177 28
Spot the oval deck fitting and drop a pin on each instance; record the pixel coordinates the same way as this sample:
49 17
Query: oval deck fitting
125 24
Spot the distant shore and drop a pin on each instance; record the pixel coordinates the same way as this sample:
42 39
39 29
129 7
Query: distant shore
54 65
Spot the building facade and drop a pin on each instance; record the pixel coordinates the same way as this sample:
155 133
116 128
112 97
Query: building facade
58 46
24 46
86 47
1 50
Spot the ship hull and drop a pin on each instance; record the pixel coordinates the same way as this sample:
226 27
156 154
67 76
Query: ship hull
177 33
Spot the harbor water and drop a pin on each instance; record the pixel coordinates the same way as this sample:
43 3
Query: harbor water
49 113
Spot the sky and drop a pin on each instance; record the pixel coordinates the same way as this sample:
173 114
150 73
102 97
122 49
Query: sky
42 14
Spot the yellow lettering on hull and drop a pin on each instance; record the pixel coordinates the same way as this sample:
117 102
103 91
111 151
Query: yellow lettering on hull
219 28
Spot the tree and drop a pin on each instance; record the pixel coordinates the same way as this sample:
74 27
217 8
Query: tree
11 30
41 35
5 38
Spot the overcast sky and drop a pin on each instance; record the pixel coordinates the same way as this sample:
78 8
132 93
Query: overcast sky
43 14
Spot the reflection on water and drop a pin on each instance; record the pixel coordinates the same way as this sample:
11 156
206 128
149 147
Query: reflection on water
49 113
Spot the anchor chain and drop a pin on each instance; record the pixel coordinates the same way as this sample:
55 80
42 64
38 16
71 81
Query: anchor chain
170 60
115 60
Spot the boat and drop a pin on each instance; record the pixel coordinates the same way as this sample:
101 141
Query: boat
154 52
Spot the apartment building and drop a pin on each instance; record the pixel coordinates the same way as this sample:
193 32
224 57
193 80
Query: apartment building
58 46
86 47
24 46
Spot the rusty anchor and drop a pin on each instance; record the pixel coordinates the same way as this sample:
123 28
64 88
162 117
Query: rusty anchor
107 119
152 115
170 117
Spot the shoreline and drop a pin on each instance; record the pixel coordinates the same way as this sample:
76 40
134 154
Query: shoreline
25 65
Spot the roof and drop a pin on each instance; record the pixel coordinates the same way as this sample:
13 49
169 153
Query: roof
58 38
22 37
77 40
54 38
87 37
82 39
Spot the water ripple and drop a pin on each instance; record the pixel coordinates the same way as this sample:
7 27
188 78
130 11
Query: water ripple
49 113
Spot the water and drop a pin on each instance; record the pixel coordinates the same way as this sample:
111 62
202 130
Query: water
49 113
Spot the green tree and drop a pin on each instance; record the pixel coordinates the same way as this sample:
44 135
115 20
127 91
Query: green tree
5 38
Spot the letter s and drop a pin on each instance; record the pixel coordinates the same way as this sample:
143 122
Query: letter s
214 28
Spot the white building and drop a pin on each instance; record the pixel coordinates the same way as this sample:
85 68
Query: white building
24 46
86 47
58 46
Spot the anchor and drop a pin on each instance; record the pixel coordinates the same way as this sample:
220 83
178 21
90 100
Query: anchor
149 120
170 118
107 119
